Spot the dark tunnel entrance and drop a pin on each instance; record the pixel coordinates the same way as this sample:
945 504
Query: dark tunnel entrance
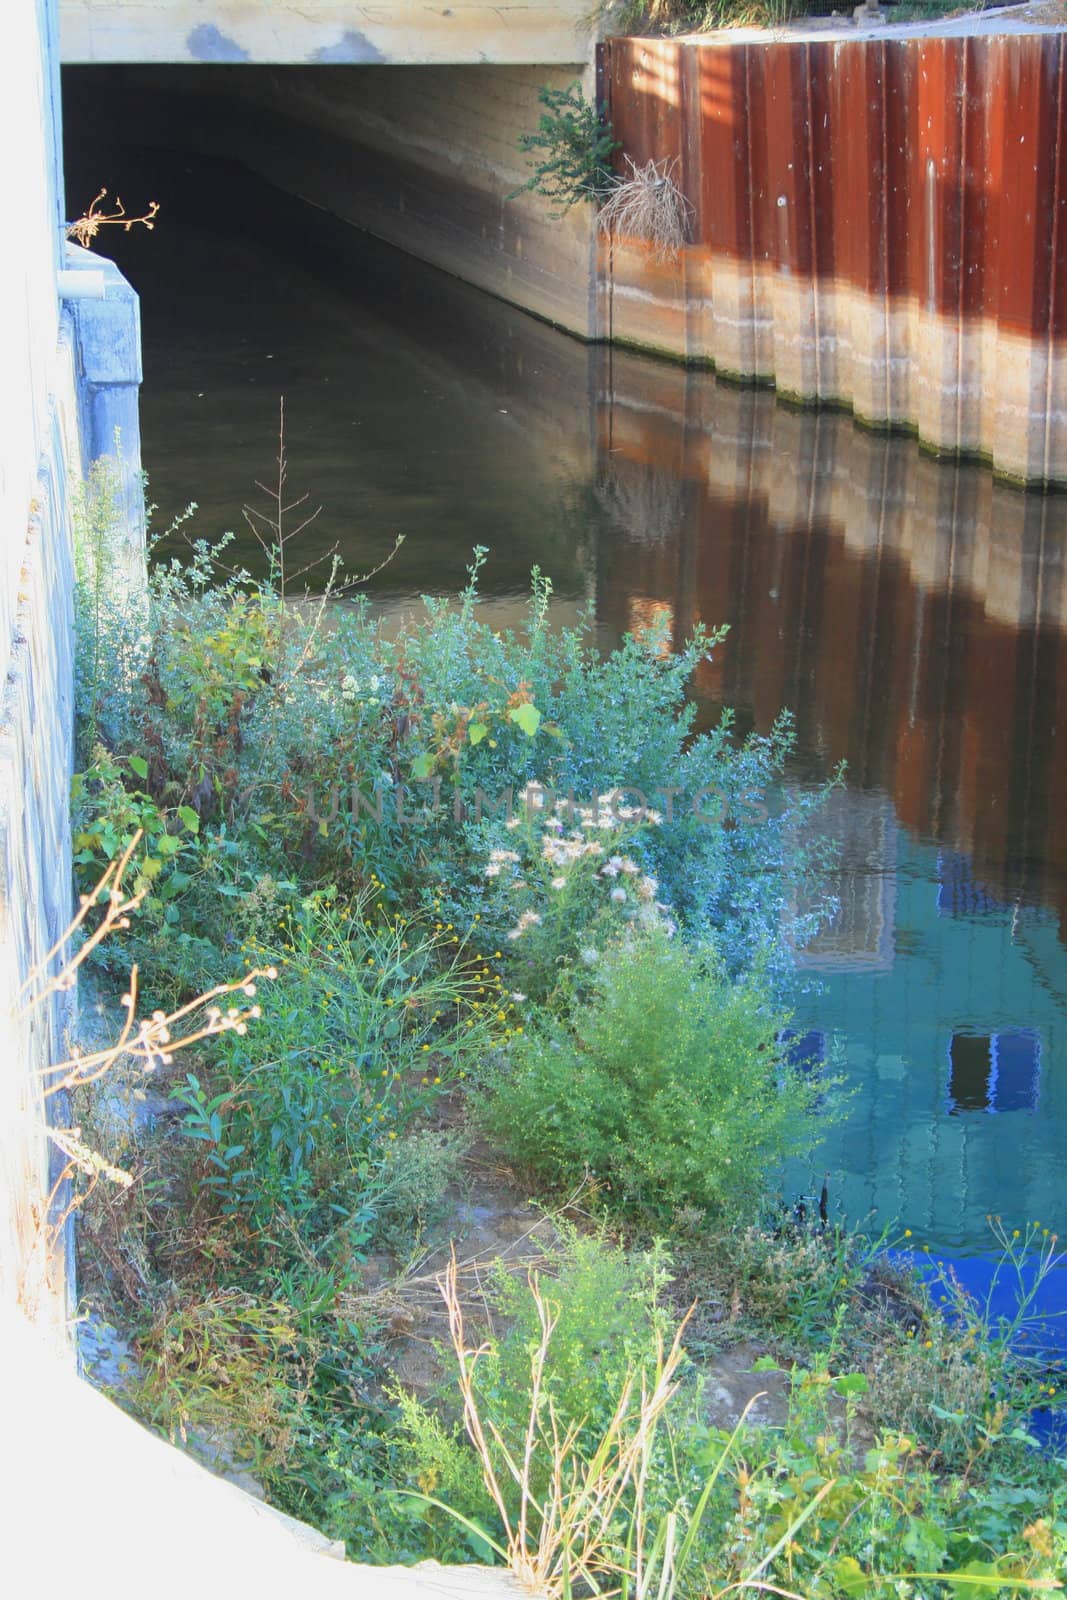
416 403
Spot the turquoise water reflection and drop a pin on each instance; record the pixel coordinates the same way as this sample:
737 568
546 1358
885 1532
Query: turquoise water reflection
947 1014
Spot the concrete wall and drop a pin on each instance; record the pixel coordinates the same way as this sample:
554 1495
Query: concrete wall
37 441
71 372
323 32
422 157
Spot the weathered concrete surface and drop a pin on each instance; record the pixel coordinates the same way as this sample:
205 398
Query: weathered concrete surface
323 32
38 441
106 336
427 160
124 1498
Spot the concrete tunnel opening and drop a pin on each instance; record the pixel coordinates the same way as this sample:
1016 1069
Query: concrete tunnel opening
422 157
416 401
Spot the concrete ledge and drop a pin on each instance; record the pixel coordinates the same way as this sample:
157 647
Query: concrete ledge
322 32
94 1494
107 344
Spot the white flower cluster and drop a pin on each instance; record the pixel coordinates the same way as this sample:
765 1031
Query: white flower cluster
499 859
350 689
562 850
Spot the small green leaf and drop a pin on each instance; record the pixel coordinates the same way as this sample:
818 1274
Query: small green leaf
423 765
527 717
850 1576
765 1364
139 765
851 1383
190 818
477 732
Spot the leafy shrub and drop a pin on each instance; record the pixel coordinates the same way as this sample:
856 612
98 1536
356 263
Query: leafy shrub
110 611
781 1278
309 749
597 1464
570 151
368 1017
668 1085
608 1327
415 1183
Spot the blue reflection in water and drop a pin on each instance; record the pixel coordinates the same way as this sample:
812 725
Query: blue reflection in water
997 1291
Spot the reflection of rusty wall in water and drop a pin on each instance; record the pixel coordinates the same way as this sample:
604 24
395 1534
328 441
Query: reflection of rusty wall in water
912 614
877 222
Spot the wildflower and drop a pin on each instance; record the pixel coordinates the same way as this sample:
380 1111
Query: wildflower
517 996
618 895
559 883
493 870
590 955
349 688
646 889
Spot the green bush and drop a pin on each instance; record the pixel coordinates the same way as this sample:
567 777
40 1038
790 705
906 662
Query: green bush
668 1085
818 1505
609 1320
301 1114
570 151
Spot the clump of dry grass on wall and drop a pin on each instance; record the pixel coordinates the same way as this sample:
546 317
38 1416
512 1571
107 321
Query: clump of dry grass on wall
649 205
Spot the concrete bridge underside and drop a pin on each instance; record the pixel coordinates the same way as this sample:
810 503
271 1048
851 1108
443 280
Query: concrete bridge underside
424 154
325 32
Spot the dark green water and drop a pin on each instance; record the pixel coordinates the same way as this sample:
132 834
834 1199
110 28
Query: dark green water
911 613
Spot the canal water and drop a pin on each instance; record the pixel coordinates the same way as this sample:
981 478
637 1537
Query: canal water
912 614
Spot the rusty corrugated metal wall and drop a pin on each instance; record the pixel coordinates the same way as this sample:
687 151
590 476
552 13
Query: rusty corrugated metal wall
876 222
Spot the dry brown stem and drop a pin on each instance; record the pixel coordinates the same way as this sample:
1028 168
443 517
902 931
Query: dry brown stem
649 205
560 1538
88 225
147 1042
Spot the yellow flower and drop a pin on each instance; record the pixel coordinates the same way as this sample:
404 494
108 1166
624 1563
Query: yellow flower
907 1233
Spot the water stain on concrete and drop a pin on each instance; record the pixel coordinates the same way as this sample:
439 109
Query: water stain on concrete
206 42
352 49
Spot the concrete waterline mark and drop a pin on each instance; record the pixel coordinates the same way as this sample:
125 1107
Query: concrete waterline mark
426 802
